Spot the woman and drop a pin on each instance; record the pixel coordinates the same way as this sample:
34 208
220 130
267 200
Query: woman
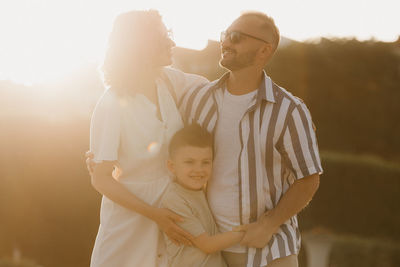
130 128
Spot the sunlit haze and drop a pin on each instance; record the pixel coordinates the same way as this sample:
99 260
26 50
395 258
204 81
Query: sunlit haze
43 40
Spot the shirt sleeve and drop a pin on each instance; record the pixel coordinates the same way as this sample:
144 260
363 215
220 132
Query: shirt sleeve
300 143
184 81
177 204
105 128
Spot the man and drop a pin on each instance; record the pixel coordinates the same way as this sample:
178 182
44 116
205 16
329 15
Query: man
267 165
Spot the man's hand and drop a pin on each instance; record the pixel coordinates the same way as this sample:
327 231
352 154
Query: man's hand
259 233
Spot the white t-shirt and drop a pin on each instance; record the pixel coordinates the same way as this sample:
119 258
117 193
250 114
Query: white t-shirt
223 188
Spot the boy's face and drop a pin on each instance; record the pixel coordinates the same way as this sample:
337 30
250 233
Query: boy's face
192 166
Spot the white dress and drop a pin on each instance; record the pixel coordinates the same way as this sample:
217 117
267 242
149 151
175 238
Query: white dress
128 130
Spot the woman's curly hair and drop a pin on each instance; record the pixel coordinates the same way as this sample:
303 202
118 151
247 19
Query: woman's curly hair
132 48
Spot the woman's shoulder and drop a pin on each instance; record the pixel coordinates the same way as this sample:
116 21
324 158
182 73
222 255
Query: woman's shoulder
182 81
108 100
178 75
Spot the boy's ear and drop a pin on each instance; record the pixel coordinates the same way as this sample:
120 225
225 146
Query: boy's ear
171 166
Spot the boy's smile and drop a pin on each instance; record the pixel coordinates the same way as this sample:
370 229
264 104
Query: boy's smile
192 166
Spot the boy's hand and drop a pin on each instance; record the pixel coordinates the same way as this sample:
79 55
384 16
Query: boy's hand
256 236
258 233
166 220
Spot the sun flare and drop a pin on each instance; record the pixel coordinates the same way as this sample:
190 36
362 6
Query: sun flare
44 40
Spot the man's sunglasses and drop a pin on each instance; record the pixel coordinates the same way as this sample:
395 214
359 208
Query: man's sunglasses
236 37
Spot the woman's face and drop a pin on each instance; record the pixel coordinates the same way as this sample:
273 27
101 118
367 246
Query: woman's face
150 44
163 46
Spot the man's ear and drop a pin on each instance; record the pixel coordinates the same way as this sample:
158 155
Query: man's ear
267 51
171 166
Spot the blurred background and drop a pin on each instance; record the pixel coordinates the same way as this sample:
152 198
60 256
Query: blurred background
342 58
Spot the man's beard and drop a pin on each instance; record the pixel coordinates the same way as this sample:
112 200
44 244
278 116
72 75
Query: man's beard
238 62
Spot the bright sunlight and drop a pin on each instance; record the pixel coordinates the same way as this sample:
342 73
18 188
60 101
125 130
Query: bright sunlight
44 40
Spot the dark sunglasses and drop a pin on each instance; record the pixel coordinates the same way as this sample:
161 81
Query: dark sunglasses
236 37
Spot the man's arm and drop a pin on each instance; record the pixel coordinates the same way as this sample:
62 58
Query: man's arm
259 233
299 140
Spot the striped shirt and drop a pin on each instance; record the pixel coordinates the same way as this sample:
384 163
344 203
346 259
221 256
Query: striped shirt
278 146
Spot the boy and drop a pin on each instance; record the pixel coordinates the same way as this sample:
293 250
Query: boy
190 161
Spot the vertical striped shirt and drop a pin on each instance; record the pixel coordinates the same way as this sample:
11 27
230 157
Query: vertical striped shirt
278 146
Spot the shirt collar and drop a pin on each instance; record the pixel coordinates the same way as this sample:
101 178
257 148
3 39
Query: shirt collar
264 91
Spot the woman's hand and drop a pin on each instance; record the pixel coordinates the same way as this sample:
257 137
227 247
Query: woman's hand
166 220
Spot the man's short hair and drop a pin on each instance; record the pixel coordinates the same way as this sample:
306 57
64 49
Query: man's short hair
268 25
190 135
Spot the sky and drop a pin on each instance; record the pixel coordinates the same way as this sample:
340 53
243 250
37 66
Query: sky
43 40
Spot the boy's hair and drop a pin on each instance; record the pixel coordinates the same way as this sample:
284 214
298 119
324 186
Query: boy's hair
190 135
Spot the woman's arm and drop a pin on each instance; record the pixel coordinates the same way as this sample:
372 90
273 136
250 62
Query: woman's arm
105 184
211 244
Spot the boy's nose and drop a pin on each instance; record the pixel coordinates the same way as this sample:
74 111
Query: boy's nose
198 168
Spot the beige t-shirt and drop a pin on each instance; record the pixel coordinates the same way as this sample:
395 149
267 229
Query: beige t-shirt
193 207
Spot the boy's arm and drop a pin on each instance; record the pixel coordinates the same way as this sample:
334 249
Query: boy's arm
206 243
211 244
